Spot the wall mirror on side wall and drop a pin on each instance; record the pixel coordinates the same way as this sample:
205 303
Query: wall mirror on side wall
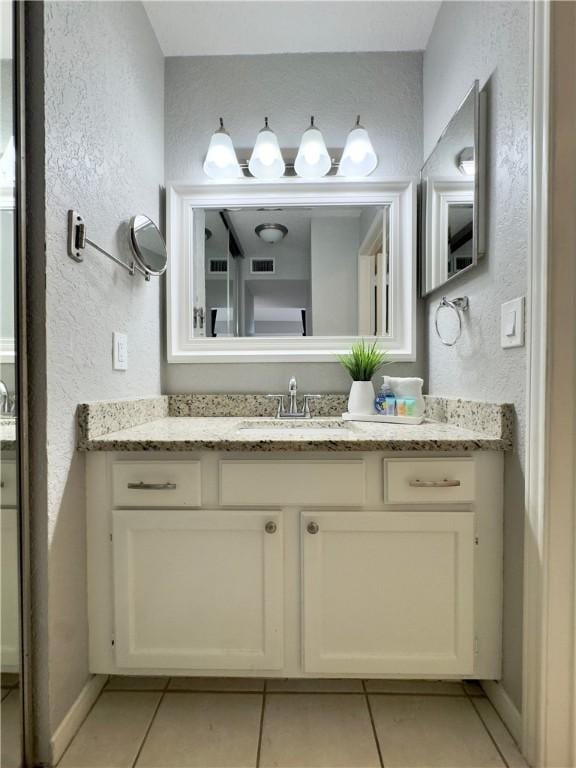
290 271
452 201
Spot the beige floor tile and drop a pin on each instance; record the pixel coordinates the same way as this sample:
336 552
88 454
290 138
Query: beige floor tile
308 731
204 730
432 732
132 683
473 688
500 734
438 687
237 684
10 732
305 685
113 731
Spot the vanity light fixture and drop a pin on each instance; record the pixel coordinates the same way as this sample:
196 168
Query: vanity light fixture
266 161
466 162
359 157
312 160
221 162
271 233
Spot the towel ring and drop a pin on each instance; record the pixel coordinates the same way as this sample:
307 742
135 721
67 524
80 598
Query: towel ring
461 304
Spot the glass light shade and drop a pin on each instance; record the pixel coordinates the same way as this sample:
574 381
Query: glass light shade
221 161
312 160
359 157
271 233
266 161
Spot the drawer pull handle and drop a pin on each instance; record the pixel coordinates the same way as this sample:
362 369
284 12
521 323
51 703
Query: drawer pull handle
312 527
435 483
270 527
152 486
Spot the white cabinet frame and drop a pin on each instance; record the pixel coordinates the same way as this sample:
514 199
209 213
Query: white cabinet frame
182 200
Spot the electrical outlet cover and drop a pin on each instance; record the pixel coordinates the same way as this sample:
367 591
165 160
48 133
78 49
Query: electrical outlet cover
119 351
512 323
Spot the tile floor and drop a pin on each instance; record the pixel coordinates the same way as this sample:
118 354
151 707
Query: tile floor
246 723
9 722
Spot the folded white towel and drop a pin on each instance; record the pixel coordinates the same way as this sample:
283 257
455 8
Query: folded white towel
407 387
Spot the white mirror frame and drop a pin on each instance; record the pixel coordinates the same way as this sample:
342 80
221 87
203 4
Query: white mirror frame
7 344
182 199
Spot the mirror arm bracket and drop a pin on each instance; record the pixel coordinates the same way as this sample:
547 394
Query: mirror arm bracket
77 242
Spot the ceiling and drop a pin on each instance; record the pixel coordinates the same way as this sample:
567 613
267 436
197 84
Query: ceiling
233 27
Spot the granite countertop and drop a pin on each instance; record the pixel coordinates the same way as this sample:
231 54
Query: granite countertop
7 434
222 433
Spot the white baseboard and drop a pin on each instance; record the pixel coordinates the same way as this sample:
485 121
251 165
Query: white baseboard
74 718
505 707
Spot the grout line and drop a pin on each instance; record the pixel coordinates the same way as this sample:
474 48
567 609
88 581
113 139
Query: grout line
492 739
259 750
374 732
150 724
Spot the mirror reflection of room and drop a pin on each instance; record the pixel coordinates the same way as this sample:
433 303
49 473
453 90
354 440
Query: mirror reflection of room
289 272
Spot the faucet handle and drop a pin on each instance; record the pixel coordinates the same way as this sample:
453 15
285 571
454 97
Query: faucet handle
280 399
307 399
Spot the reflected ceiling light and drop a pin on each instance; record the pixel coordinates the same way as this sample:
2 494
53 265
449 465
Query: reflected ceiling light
266 161
466 162
8 163
271 233
221 161
359 157
312 160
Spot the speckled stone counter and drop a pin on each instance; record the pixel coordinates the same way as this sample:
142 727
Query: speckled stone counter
7 434
181 433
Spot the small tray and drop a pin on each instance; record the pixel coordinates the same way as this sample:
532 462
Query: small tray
381 417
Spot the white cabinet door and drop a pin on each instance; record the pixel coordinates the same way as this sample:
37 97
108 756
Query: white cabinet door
388 592
198 589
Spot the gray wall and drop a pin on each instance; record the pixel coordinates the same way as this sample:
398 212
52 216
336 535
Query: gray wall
104 92
334 247
385 88
489 41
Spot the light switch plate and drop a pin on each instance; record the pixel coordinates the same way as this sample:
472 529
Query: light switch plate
512 323
119 351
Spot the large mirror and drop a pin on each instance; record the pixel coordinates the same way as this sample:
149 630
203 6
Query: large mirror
11 727
451 198
291 271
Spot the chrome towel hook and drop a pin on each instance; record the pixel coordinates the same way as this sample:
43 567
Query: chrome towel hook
458 305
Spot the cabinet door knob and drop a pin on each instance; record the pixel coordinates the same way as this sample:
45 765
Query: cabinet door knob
270 527
312 527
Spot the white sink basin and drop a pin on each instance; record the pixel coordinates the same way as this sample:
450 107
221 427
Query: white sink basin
313 428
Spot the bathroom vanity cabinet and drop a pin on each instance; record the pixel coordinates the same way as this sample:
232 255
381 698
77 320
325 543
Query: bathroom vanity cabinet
369 564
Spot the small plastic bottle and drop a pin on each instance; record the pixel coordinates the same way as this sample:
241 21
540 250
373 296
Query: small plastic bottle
401 406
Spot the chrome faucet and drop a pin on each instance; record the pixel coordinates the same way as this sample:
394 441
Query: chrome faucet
4 399
293 412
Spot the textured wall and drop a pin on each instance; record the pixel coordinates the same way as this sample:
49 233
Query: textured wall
104 93
490 42
385 88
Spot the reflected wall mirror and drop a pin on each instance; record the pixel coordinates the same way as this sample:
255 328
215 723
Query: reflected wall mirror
290 271
452 197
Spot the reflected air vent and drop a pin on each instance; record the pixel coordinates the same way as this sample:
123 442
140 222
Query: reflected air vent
262 266
218 266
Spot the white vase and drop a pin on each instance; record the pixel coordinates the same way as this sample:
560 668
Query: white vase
361 399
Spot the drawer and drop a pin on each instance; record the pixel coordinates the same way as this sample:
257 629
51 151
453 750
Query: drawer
428 481
156 484
285 483
9 480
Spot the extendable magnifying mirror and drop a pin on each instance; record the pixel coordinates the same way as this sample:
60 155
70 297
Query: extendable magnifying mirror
148 245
